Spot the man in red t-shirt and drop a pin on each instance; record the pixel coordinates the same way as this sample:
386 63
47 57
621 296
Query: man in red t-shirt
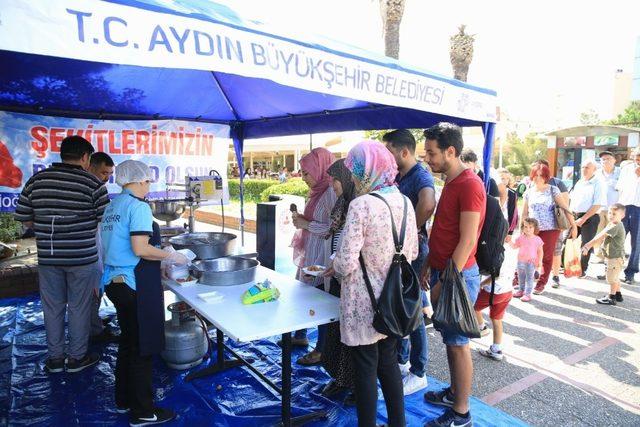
454 235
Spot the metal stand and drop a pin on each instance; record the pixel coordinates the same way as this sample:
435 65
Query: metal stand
192 218
221 362
285 391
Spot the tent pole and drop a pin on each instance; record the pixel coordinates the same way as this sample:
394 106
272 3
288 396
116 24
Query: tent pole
488 129
310 142
237 135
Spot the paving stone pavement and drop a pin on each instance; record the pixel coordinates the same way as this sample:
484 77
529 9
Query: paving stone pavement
568 361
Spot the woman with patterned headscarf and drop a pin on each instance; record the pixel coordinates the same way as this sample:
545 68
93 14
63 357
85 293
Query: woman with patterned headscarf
336 357
309 244
367 231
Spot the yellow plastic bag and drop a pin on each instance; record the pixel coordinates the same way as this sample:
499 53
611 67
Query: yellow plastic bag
572 266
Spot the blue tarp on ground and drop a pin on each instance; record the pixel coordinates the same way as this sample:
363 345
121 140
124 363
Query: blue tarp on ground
28 396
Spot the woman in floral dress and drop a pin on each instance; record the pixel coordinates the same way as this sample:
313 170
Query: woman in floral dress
367 231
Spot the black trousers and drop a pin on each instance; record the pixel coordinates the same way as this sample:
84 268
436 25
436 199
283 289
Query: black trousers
133 371
379 360
588 231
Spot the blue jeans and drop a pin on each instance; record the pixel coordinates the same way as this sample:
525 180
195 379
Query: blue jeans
631 222
472 279
526 276
419 353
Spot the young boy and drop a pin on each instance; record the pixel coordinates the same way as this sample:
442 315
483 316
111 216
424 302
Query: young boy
501 297
613 236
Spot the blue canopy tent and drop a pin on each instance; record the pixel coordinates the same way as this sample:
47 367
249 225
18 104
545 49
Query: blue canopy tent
198 61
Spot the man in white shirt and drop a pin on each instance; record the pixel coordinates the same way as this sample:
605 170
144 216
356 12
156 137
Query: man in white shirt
587 197
629 196
608 174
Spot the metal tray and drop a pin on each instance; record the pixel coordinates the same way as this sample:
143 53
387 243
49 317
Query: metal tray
226 271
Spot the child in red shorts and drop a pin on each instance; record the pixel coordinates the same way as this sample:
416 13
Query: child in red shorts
501 296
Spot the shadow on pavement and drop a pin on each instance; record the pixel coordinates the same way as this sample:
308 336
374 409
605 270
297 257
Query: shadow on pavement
614 363
533 337
623 311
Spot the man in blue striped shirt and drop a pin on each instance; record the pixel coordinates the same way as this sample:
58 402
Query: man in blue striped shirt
64 204
415 182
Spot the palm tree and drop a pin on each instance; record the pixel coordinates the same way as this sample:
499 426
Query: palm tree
391 12
461 53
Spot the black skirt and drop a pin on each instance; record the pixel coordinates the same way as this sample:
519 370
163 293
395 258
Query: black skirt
336 357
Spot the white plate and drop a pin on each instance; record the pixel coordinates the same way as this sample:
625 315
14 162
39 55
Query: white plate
211 297
314 273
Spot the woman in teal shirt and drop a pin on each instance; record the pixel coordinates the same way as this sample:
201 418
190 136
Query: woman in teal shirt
132 257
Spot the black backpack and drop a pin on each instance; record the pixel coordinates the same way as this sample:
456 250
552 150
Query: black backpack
397 311
490 252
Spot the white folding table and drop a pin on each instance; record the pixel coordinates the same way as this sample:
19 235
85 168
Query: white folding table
300 306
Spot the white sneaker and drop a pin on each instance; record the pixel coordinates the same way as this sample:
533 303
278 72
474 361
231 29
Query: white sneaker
495 355
404 368
412 383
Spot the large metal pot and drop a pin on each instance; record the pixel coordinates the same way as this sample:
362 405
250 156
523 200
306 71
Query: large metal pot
227 271
167 210
205 245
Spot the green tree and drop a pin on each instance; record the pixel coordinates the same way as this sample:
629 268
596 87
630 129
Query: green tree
630 117
377 135
590 117
519 153
10 229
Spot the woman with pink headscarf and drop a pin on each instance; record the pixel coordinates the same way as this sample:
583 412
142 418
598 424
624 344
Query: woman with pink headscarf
309 243
367 231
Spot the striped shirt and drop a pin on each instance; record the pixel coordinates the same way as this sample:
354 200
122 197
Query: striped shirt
335 240
65 204
316 251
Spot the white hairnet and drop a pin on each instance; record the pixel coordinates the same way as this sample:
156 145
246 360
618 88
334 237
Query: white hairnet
132 171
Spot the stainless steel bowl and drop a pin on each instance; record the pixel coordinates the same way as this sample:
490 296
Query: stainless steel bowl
167 210
227 271
205 245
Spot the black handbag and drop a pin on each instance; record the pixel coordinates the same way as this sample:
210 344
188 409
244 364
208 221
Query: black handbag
454 312
397 310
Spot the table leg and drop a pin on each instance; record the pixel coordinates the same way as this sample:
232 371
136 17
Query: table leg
287 421
286 379
221 362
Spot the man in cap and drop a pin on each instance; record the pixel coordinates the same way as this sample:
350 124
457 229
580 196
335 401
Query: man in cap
587 198
608 174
